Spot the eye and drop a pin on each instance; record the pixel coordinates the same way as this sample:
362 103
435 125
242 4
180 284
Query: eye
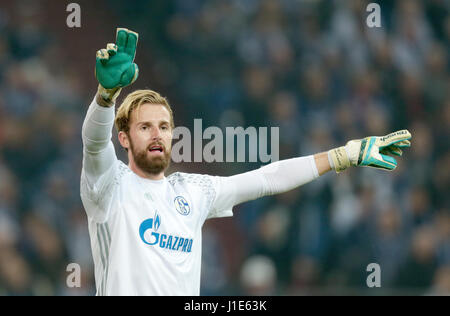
164 127
144 127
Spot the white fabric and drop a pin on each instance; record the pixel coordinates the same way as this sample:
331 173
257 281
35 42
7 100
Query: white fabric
145 234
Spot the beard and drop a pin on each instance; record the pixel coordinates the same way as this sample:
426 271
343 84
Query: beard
151 165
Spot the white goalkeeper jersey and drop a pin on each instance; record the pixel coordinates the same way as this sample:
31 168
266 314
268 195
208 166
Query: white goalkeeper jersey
149 239
146 234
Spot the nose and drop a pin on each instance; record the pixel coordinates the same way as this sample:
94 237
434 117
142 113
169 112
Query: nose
155 133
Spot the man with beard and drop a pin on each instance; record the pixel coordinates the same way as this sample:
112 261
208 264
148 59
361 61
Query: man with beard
145 228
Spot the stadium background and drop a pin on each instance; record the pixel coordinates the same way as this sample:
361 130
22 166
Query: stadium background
313 68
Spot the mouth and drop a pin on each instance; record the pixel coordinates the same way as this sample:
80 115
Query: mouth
156 148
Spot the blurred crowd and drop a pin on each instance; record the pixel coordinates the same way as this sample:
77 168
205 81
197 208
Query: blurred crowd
313 68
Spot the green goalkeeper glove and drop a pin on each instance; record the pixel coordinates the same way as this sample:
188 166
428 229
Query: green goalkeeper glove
370 152
114 68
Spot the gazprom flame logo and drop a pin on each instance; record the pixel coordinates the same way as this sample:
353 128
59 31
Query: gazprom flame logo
151 223
157 221
165 241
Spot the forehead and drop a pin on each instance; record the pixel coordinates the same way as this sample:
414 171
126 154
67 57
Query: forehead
148 112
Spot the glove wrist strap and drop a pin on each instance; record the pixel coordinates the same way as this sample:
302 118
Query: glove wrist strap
107 97
338 158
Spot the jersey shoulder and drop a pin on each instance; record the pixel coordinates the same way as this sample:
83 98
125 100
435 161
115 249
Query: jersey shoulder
204 183
122 171
105 183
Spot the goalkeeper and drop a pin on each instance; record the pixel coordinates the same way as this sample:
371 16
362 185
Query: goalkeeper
144 226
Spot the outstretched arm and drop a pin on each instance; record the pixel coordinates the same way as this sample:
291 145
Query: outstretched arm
274 178
322 163
285 175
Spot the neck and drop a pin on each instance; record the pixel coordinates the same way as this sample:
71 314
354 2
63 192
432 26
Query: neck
144 174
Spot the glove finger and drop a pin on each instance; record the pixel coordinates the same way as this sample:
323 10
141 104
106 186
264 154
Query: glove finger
130 75
389 162
121 39
393 138
136 72
392 150
105 81
130 47
403 143
102 55
396 151
112 49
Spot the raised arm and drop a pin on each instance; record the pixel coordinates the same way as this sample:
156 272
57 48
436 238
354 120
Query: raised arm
114 70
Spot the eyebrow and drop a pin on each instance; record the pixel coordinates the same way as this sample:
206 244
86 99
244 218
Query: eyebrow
149 123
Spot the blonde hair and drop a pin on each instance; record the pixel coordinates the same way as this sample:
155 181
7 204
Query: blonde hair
134 101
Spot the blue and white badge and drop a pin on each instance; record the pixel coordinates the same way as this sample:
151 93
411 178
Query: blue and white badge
181 205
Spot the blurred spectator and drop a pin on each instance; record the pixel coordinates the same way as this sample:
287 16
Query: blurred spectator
15 274
391 247
417 272
258 277
305 276
441 282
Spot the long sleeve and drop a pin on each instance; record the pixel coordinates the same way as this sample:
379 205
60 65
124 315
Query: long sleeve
98 149
99 158
277 177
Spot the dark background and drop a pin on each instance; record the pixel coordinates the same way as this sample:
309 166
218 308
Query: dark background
312 68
